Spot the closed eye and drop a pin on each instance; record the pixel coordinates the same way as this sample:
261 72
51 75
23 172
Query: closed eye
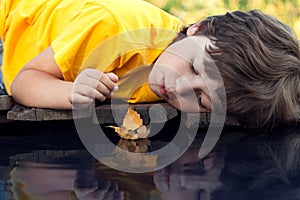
192 68
200 102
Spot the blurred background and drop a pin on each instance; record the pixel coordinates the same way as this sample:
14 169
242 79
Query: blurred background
288 11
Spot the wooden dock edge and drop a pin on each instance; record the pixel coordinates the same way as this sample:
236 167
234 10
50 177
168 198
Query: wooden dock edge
104 114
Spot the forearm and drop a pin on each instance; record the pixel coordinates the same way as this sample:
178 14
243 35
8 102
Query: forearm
34 88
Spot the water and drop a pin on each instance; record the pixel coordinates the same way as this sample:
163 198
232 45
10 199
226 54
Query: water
46 160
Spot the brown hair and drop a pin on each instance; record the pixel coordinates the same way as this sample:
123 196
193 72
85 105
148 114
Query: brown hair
259 60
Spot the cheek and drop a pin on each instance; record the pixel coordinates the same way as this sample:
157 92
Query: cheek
185 104
155 75
178 66
170 61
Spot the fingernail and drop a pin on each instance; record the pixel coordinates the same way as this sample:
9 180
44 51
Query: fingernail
115 88
116 77
113 74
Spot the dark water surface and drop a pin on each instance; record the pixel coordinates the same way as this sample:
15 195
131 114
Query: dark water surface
46 160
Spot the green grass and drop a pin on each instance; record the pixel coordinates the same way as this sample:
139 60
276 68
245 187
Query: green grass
288 11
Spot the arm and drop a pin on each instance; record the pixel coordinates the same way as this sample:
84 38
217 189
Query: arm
40 84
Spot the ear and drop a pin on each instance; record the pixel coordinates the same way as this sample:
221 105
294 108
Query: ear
193 29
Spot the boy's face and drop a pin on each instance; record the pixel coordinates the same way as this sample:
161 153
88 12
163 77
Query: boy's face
179 76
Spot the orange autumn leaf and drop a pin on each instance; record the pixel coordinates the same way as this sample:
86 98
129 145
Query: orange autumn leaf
132 120
124 133
132 127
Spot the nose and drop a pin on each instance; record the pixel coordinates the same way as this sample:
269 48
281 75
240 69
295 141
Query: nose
186 86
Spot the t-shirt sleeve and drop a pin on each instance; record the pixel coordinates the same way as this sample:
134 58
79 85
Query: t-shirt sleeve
90 26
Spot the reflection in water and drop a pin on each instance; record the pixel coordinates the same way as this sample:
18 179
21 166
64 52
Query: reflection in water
256 167
52 181
190 177
136 146
265 167
124 150
242 166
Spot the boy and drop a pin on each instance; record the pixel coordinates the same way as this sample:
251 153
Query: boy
64 52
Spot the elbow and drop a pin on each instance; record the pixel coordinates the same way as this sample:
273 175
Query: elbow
14 90
19 92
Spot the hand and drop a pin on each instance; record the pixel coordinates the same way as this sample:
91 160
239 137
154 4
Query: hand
92 84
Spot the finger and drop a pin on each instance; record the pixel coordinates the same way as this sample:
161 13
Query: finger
94 94
93 73
108 83
79 102
103 89
99 96
77 98
90 79
113 77
86 91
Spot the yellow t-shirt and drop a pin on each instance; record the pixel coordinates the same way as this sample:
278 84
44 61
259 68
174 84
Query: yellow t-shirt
109 35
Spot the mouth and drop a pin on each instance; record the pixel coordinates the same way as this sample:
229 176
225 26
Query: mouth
162 88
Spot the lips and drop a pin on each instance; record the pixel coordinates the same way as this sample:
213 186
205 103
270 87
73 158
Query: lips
162 88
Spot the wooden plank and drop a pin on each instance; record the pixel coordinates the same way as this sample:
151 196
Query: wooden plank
19 112
108 114
157 112
154 112
193 120
22 113
6 102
